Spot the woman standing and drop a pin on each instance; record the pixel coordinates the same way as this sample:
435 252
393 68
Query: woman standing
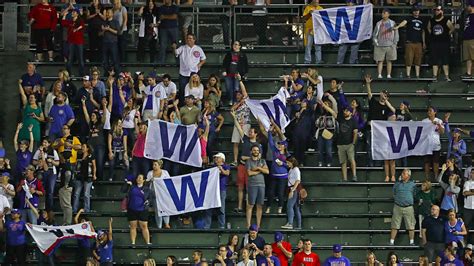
326 126
43 20
137 211
117 143
32 116
392 259
16 239
195 88
96 137
454 229
95 17
75 38
216 120
372 260
87 174
232 248
148 30
235 63
140 164
158 172
293 206
303 127
456 145
212 91
121 15
278 171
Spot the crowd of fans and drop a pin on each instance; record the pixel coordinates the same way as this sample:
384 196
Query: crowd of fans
69 133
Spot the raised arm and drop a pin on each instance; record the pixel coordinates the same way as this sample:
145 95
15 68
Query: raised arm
32 139
15 138
368 81
24 100
110 228
84 110
78 214
237 124
32 207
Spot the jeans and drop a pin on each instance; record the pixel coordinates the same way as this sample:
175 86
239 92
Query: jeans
227 30
99 154
140 165
293 208
341 53
167 37
279 186
300 145
211 143
95 45
307 51
221 210
231 86
110 53
27 215
78 187
325 150
49 181
76 51
183 81
159 219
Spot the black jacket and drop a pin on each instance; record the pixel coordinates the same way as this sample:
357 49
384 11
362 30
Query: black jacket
242 66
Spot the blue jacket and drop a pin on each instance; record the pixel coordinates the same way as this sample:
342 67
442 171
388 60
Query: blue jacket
277 171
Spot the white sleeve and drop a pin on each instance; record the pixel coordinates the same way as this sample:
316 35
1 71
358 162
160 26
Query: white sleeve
466 187
319 88
179 51
203 55
165 173
36 155
186 90
5 203
201 92
164 95
56 156
149 176
172 87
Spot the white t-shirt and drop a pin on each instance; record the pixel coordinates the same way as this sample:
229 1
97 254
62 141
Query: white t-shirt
319 88
250 263
4 194
128 121
170 89
54 156
189 58
164 174
294 175
107 120
197 92
469 200
435 134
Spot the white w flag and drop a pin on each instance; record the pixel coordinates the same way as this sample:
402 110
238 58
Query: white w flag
350 24
177 143
394 140
48 238
273 108
188 193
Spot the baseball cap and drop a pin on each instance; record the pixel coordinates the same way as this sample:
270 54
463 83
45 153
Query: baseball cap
100 233
469 246
405 102
278 236
283 142
86 78
438 8
253 227
189 96
385 92
6 174
30 167
78 10
336 248
15 211
348 108
220 155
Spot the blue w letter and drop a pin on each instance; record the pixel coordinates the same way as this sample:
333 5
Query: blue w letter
352 30
278 105
405 131
181 132
187 181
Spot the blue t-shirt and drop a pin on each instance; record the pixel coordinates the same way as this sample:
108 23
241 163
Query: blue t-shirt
261 260
31 81
16 233
137 196
223 178
168 10
454 262
449 230
60 116
117 105
23 159
105 252
333 261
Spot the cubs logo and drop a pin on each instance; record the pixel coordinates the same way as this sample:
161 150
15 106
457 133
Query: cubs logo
197 54
61 112
84 226
158 94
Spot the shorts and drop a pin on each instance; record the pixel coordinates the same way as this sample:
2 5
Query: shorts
346 153
413 54
187 20
255 195
440 53
137 215
468 50
382 53
433 158
242 176
407 213
236 138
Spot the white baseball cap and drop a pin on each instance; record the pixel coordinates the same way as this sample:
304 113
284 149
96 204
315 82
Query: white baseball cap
220 155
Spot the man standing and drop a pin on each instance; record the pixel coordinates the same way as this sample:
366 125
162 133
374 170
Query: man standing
154 100
169 87
110 29
224 172
432 234
260 19
440 29
60 114
91 98
415 41
306 257
309 33
253 242
404 191
433 159
385 38
346 141
468 41
256 168
30 188
337 259
341 53
468 192
168 29
282 249
268 259
191 59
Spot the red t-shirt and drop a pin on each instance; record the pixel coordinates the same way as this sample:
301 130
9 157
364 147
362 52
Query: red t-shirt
139 147
303 259
279 253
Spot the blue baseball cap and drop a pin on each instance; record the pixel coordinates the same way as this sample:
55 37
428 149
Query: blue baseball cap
6 174
253 227
336 248
278 236
15 211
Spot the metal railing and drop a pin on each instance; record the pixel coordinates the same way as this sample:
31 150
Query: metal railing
2 44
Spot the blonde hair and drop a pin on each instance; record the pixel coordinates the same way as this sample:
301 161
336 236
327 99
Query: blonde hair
423 260
65 74
159 162
149 262
428 184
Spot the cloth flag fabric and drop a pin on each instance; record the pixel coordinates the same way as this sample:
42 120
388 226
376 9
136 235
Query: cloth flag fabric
338 25
48 238
395 139
187 193
178 143
273 108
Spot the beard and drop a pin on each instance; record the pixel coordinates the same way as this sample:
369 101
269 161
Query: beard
438 16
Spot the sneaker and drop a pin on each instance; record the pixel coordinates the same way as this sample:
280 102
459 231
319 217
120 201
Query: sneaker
412 244
343 180
354 179
448 79
389 76
267 211
328 165
280 209
311 149
287 226
435 79
320 164
391 244
237 210
380 76
233 164
51 59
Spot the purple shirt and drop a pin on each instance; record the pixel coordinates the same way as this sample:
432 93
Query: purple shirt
60 116
16 233
342 261
23 159
105 252
36 184
223 178
33 80
117 105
